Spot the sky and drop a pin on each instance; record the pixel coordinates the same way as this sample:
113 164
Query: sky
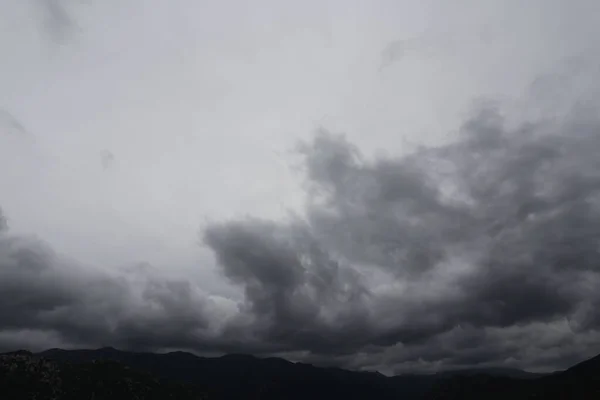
401 186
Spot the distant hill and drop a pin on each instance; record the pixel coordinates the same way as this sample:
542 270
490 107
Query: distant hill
107 373
26 376
238 376
581 382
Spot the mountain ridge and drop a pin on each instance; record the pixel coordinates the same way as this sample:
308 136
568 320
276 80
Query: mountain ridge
242 376
496 371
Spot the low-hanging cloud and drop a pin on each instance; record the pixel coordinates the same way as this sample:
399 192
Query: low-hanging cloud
482 251
496 230
61 302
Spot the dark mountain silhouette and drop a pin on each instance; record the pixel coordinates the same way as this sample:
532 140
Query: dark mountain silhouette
107 372
581 381
24 375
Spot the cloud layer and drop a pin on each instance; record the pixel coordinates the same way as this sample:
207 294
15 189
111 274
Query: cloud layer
481 251
495 231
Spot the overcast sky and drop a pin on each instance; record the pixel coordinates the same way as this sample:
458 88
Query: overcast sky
401 185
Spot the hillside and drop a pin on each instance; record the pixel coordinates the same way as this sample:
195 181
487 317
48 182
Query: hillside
25 376
106 373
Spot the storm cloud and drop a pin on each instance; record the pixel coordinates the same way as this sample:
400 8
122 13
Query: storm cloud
497 230
479 247
459 254
48 299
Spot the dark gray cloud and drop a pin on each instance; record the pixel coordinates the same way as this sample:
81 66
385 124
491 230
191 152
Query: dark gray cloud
61 301
296 293
496 230
482 251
